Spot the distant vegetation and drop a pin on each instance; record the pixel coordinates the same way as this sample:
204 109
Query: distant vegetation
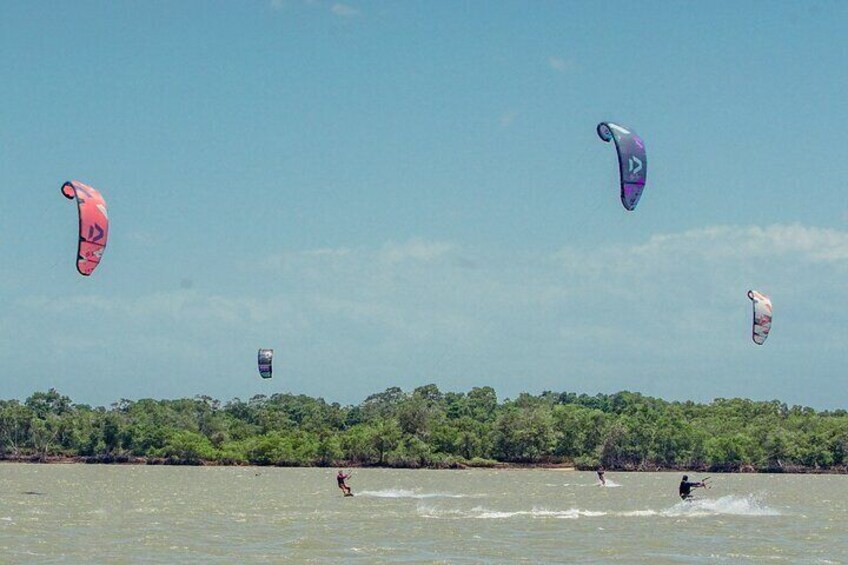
429 428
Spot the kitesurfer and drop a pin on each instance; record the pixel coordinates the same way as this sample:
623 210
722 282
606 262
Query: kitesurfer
601 475
685 490
341 478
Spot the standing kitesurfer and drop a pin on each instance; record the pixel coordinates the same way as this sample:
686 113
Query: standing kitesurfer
601 475
341 478
685 490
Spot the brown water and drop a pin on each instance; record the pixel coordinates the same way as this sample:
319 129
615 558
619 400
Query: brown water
137 514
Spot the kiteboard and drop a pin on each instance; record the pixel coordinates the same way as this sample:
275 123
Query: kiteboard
348 494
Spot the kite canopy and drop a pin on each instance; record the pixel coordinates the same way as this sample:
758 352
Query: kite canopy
632 161
93 224
265 358
762 316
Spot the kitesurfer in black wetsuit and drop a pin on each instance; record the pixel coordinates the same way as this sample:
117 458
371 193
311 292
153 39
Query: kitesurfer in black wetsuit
685 490
601 475
341 477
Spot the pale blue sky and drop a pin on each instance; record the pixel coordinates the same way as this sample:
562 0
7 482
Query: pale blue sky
399 193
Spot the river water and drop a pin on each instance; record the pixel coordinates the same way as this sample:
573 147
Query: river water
149 514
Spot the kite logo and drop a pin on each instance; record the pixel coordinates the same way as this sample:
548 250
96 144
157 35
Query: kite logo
635 165
91 236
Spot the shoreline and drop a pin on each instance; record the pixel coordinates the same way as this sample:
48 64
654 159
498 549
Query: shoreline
495 465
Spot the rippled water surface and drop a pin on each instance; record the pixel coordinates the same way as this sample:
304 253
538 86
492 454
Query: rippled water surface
138 514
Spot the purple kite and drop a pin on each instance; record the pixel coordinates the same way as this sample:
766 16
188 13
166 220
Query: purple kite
632 161
93 225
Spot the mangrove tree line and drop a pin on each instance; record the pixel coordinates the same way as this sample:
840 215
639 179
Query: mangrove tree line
430 428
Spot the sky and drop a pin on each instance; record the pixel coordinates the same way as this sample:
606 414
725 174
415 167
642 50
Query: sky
404 193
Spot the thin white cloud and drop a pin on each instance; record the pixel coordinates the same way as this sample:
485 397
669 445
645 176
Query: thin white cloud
415 250
560 65
412 250
508 118
807 243
398 278
344 10
328 252
166 307
143 237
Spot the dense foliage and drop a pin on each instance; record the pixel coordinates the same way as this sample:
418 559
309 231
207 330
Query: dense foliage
430 428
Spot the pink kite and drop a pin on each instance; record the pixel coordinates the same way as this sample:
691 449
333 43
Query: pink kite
93 224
